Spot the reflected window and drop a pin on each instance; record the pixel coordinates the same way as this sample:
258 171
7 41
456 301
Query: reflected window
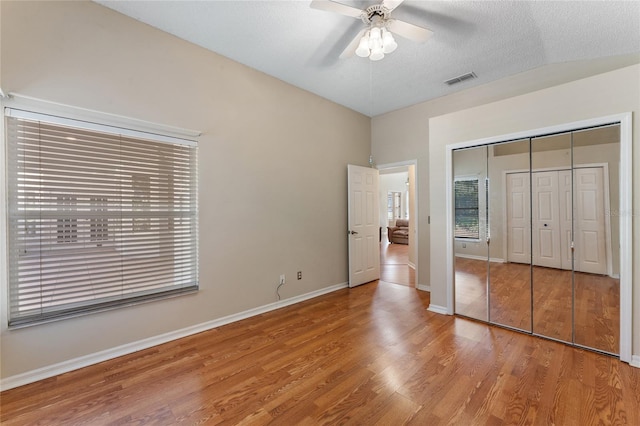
467 209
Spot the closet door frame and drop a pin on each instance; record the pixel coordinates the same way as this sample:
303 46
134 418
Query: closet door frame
624 212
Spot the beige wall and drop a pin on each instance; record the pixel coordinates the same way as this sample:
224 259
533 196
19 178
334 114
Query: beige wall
598 96
272 166
403 135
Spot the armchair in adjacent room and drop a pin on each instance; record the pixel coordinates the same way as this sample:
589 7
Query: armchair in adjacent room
399 234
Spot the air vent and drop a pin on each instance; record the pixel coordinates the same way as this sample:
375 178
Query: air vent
461 78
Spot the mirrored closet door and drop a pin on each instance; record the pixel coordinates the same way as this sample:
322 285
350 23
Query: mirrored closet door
471 250
596 276
551 236
538 251
509 198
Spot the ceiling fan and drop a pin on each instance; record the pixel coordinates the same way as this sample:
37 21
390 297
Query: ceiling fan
376 39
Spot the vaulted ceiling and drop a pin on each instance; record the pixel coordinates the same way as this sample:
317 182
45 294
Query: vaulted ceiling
301 46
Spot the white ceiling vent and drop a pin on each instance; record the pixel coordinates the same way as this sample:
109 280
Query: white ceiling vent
461 78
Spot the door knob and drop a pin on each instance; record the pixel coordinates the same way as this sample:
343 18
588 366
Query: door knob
545 224
352 232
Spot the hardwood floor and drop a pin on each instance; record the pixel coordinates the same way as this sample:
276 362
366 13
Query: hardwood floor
394 264
368 355
597 307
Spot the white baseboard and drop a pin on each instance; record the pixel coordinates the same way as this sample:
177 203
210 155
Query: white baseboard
84 361
635 361
474 257
438 309
411 265
423 287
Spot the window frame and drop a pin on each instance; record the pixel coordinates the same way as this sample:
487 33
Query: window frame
100 232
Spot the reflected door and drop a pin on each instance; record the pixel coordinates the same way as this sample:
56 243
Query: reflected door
545 219
552 286
596 158
518 218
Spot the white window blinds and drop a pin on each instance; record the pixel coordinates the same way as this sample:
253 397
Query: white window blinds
467 209
97 217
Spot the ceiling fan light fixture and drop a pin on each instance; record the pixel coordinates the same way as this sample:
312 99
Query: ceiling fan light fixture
388 42
375 34
375 43
363 47
376 39
376 54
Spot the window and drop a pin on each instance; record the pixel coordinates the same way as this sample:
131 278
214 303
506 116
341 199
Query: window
98 217
467 211
67 223
394 205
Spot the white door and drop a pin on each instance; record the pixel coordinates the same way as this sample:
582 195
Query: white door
566 218
545 220
552 219
590 238
364 225
518 219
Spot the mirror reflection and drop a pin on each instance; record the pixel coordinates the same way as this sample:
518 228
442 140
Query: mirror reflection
537 235
551 236
510 228
596 194
470 221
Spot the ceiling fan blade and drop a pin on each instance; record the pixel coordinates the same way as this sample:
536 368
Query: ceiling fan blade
409 31
351 48
391 4
332 6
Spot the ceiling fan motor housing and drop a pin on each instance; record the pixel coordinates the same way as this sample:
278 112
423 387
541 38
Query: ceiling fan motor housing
374 14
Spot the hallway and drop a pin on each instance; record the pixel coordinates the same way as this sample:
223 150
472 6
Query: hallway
394 264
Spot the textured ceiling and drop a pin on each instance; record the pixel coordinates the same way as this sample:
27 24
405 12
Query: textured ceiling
301 46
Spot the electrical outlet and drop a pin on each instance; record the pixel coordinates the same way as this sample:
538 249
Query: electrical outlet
282 279
299 275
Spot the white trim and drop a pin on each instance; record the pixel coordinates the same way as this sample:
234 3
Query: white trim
17 101
607 219
423 287
626 236
476 257
625 213
98 127
84 361
505 228
4 228
449 231
635 361
442 310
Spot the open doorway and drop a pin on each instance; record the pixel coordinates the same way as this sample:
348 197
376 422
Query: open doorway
398 218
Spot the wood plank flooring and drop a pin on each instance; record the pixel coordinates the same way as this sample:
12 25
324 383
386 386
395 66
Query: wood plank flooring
368 355
394 264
